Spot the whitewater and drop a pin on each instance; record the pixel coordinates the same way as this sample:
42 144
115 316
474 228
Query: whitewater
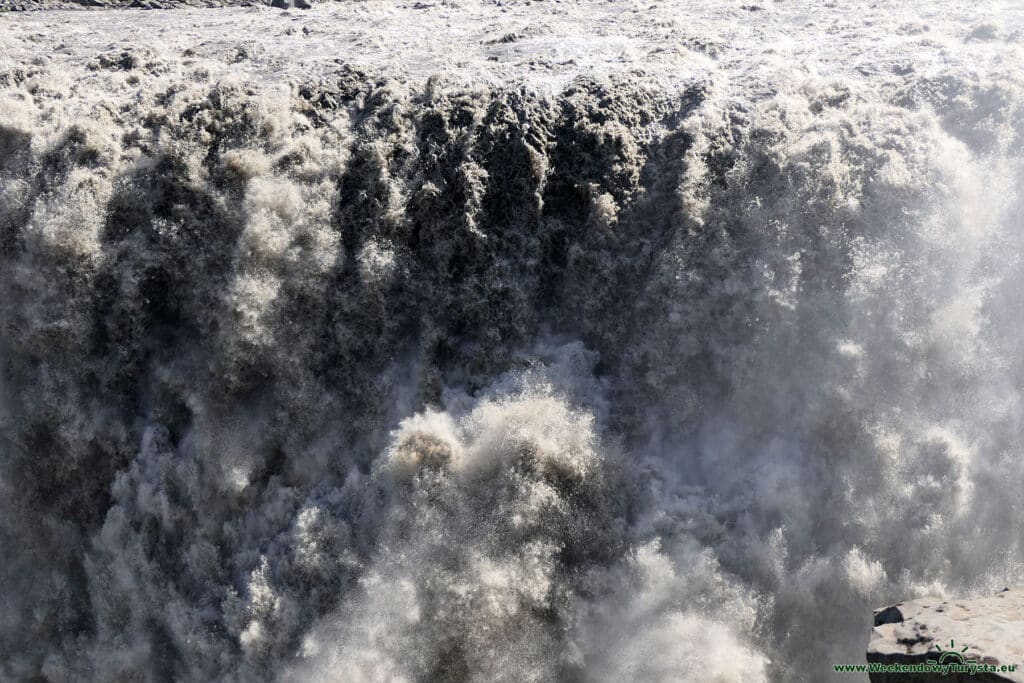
504 341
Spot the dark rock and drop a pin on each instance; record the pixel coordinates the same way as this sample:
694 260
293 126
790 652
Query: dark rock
888 615
304 4
281 4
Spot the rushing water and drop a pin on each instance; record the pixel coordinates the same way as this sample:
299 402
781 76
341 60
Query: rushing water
367 380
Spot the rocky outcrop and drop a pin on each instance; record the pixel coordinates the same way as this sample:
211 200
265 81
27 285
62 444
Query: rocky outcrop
987 631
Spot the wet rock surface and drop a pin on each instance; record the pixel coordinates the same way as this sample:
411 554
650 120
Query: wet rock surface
988 630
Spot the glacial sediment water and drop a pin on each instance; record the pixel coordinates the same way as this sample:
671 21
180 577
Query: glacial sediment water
656 369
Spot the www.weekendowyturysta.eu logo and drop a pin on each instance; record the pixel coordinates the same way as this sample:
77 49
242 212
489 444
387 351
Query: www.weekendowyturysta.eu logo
951 656
942 661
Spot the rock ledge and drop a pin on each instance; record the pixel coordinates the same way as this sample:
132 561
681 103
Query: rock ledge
987 630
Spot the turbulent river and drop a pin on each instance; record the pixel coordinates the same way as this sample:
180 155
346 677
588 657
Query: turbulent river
613 377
